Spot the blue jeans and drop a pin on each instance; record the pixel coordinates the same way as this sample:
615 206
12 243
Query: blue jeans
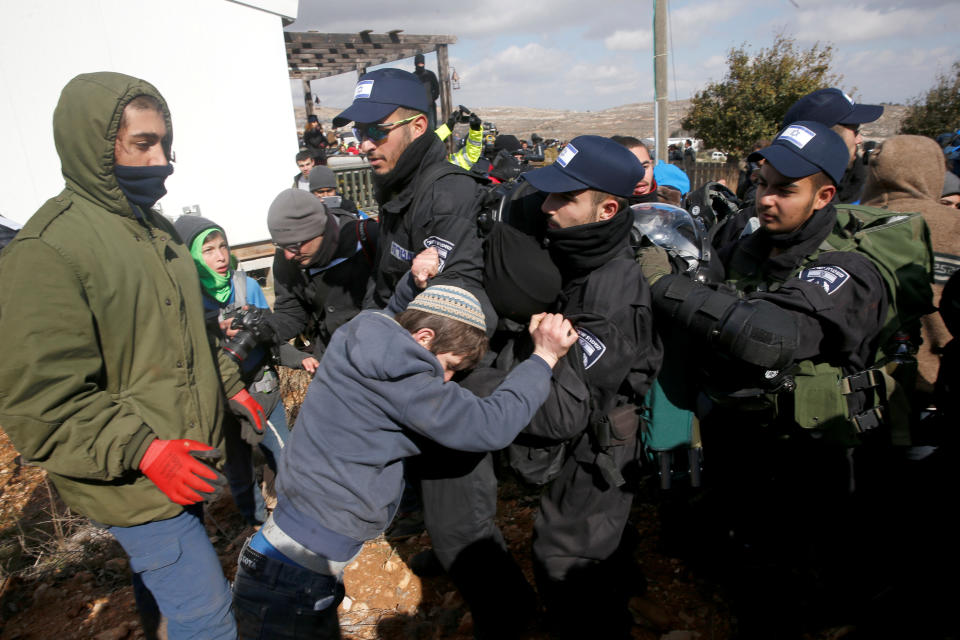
274 599
239 466
174 562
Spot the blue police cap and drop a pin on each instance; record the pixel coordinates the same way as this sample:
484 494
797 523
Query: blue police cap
590 162
380 92
831 107
804 148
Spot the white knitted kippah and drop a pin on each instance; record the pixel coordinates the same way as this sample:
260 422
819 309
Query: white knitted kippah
452 302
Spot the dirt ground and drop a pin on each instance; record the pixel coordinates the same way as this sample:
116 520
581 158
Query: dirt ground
63 578
82 590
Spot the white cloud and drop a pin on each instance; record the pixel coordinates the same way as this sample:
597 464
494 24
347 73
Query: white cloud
877 5
629 40
857 24
564 54
696 20
915 71
491 18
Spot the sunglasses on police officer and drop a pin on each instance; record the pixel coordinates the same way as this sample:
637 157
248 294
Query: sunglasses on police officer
377 131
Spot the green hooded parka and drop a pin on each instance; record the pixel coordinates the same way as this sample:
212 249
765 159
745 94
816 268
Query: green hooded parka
105 346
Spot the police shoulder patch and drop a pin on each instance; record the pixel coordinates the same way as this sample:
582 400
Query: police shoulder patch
830 277
591 346
443 246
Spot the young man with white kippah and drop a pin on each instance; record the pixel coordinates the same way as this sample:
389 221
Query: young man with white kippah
583 441
381 388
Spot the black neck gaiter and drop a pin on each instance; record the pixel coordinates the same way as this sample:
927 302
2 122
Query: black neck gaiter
408 162
581 249
143 186
814 226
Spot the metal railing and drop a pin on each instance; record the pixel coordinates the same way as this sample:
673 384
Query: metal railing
356 183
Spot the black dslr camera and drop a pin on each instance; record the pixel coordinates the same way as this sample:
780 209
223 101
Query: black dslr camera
254 330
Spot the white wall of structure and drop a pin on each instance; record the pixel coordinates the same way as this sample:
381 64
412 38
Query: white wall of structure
221 65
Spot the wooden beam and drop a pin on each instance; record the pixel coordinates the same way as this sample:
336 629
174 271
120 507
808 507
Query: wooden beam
396 53
312 55
366 37
446 99
307 98
296 62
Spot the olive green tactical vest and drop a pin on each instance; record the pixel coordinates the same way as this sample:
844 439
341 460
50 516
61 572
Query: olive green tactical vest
898 244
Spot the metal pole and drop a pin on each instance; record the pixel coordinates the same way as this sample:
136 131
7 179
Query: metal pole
660 76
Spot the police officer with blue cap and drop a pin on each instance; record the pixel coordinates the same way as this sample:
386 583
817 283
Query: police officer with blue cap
423 202
584 574
838 111
796 320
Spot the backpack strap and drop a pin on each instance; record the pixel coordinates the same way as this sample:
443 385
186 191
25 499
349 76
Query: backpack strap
240 287
239 282
364 239
433 173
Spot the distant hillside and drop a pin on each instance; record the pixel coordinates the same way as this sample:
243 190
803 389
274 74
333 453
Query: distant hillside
630 119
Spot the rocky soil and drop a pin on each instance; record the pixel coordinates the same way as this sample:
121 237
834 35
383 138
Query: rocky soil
63 578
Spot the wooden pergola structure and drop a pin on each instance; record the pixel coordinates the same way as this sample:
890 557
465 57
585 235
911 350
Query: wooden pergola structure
312 55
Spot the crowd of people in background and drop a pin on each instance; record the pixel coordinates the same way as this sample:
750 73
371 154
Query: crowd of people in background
558 308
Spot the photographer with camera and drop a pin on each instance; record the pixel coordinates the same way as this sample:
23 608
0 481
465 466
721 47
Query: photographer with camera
468 154
234 308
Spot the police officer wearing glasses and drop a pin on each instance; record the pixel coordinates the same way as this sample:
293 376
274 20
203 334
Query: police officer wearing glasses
421 205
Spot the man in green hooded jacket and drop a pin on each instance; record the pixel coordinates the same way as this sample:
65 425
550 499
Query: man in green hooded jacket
109 380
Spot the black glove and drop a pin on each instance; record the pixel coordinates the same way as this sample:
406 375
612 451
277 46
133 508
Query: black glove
452 120
475 121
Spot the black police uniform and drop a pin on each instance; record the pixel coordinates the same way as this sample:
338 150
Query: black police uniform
415 216
782 494
839 313
318 300
583 513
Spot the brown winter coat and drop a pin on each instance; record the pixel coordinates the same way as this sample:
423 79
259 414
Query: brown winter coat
906 174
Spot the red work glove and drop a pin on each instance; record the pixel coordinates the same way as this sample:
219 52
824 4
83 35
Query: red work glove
174 467
253 419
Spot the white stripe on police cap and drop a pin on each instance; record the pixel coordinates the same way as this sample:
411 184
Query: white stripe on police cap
363 90
798 135
567 155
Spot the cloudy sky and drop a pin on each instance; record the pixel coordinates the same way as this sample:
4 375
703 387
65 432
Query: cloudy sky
595 54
